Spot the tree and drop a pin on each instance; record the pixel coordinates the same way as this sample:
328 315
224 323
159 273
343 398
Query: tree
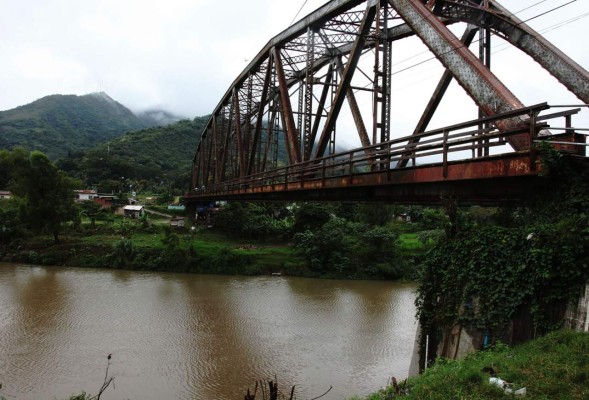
328 247
92 210
312 216
46 193
376 214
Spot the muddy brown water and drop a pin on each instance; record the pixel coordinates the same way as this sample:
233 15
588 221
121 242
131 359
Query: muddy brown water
178 336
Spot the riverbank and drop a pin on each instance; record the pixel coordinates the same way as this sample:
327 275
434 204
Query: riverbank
154 247
147 250
555 366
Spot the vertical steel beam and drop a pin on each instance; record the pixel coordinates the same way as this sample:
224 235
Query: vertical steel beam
237 116
209 157
300 116
293 144
308 144
196 170
247 144
215 150
230 140
226 129
382 77
485 57
346 78
483 86
203 160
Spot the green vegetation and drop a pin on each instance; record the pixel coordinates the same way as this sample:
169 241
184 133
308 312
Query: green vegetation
87 135
553 367
129 245
525 264
154 159
60 124
43 194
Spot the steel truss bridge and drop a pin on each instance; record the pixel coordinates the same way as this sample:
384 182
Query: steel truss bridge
273 134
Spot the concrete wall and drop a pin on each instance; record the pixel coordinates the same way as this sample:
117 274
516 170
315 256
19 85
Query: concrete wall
576 317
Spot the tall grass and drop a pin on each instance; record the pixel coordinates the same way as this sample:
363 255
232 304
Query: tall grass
553 367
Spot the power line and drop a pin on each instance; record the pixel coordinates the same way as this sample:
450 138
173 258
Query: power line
453 50
298 12
547 29
533 5
505 46
427 51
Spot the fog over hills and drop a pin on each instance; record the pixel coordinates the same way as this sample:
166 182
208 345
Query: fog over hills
61 124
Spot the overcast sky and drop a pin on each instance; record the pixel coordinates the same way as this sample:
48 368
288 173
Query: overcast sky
183 54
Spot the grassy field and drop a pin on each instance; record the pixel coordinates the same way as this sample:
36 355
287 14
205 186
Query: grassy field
203 250
553 367
95 247
409 241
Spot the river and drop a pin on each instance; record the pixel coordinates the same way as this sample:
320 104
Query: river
179 336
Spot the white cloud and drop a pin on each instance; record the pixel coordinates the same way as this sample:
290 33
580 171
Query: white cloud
184 54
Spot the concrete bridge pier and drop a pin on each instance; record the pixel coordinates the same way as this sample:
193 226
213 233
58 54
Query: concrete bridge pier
577 316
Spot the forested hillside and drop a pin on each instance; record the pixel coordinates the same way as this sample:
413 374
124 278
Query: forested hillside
148 157
59 124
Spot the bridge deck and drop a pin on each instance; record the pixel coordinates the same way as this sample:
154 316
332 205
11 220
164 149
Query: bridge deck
455 162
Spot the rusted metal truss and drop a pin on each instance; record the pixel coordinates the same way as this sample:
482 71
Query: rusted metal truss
283 109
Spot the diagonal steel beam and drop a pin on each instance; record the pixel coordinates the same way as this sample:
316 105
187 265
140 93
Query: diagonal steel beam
346 78
321 105
294 147
574 77
562 67
260 117
488 92
356 114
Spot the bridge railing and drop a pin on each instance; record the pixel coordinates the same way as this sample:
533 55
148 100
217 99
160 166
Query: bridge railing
452 143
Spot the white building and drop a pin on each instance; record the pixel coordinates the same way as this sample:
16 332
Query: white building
133 211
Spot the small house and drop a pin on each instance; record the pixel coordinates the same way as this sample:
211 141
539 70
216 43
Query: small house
134 211
5 195
85 195
105 200
177 222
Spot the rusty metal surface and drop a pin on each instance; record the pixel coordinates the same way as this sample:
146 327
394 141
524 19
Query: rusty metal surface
522 36
482 180
481 84
437 96
493 181
304 66
293 144
344 85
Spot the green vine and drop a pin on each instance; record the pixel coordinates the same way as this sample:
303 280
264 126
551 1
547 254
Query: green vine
537 262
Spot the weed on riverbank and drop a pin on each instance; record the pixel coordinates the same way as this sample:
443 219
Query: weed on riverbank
553 367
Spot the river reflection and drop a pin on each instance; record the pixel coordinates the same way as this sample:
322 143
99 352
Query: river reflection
198 337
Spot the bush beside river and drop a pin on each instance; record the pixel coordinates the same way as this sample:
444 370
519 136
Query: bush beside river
130 245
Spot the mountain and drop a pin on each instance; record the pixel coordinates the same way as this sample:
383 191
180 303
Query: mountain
163 149
157 155
59 124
